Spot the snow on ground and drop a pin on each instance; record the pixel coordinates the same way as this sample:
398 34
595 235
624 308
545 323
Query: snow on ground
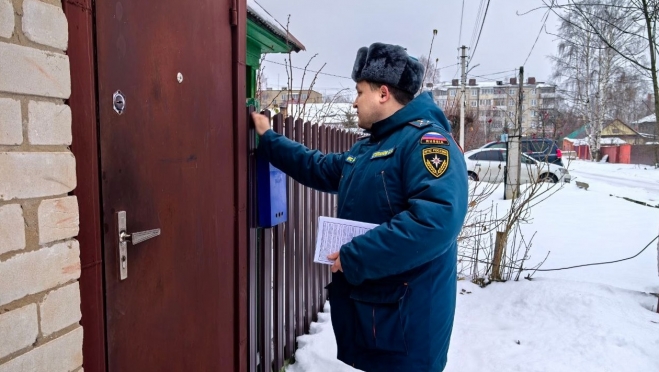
587 319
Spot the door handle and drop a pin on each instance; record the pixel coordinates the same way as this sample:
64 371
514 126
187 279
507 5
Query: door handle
478 165
134 238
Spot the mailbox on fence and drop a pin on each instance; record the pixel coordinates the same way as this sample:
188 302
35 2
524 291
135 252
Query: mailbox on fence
271 187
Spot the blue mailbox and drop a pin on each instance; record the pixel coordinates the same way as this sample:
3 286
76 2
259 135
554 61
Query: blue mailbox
271 187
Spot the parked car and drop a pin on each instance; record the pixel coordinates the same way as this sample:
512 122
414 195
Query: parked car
487 164
540 149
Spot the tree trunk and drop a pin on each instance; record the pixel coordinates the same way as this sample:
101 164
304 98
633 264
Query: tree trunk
653 70
499 250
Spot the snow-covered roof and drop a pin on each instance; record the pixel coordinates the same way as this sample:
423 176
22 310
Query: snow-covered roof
648 119
268 21
603 141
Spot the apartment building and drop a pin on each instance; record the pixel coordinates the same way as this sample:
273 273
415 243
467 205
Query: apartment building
494 103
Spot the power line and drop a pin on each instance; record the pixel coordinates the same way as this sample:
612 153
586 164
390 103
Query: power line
481 31
301 68
538 37
339 76
474 32
572 267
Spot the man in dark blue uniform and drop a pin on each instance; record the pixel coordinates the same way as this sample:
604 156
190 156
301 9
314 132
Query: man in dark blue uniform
393 289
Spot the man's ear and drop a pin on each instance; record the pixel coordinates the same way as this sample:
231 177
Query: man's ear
385 94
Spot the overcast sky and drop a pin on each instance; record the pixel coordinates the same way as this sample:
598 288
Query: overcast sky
336 29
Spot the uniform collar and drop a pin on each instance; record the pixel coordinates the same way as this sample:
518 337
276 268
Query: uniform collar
386 126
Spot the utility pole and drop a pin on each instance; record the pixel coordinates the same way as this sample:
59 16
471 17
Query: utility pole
513 155
463 102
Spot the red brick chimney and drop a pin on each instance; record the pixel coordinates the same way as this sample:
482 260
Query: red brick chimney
472 82
531 80
513 81
454 82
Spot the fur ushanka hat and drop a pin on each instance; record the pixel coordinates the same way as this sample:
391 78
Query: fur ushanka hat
388 64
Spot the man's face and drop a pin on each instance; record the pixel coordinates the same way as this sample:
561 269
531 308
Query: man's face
368 105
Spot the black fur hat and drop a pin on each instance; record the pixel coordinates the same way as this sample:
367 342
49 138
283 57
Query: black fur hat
388 64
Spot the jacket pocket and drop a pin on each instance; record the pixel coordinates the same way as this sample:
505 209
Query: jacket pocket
378 316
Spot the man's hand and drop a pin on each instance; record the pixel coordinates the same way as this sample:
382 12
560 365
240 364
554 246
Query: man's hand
261 123
337 264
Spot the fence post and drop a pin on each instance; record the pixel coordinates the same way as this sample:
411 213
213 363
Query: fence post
299 242
291 226
278 282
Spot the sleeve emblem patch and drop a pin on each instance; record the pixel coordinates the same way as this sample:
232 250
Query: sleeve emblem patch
436 160
350 159
434 138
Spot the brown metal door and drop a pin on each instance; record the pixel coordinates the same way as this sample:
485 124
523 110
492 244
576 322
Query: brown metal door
167 161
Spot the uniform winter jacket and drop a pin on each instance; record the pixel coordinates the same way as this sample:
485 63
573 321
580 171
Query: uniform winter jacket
393 305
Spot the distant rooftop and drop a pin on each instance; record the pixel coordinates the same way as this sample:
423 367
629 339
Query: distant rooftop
648 119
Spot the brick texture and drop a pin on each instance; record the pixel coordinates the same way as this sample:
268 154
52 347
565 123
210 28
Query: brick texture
59 309
58 219
12 228
49 123
61 354
37 271
45 24
6 18
36 174
19 329
11 127
25 70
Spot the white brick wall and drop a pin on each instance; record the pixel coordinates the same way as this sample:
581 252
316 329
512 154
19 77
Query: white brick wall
11 126
58 219
60 309
6 18
61 354
36 174
19 329
12 228
45 24
25 70
39 260
48 123
37 271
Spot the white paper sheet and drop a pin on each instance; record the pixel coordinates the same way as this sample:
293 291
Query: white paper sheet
335 232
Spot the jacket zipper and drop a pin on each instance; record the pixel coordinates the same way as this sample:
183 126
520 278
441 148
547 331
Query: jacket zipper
387 194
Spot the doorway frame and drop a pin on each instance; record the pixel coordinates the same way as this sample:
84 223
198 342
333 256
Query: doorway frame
84 102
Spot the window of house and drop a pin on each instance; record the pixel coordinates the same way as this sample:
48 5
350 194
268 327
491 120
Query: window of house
532 114
474 103
284 97
474 92
453 91
533 91
511 103
511 92
304 97
295 96
534 102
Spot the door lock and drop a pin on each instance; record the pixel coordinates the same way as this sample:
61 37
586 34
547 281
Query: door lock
119 102
134 238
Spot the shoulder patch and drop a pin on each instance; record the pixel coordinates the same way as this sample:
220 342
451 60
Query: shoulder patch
350 159
383 153
436 160
420 123
434 138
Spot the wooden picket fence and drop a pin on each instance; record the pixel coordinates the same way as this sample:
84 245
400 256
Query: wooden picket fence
286 288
